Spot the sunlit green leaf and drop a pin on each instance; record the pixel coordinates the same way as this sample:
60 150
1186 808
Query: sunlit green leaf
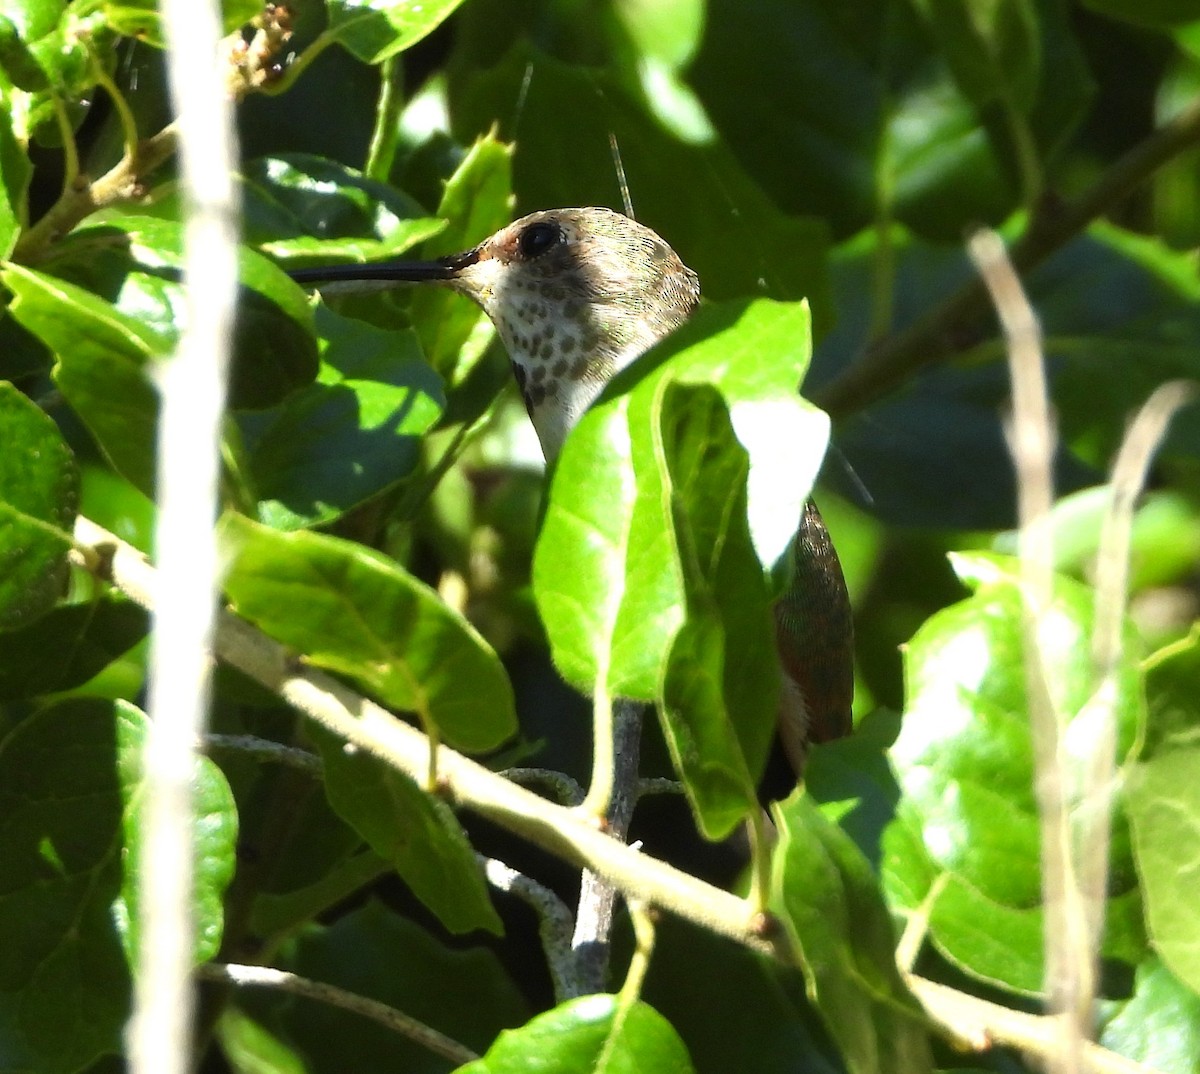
352 610
606 574
718 705
39 493
374 30
1164 812
572 1038
964 762
101 356
831 905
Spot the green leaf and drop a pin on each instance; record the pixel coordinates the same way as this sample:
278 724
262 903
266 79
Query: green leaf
141 18
412 830
964 761
354 611
718 702
15 174
354 432
477 200
587 1034
606 573
1160 1025
1174 709
305 210
858 98
829 900
703 984
39 493
68 646
1163 801
70 791
135 262
993 49
374 30
465 993
1156 14
101 356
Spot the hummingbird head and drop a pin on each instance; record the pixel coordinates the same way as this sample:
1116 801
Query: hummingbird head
575 295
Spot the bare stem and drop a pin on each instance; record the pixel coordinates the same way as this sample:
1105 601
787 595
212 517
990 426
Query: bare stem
597 895
1070 960
388 1017
935 337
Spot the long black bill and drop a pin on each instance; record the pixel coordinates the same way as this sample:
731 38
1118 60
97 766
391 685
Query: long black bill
446 268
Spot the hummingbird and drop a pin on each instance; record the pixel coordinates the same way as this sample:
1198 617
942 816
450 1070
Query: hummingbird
576 295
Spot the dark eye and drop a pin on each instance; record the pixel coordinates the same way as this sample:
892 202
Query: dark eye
536 239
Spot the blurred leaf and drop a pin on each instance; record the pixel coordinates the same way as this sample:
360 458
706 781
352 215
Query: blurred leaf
606 573
964 761
69 862
39 494
15 173
135 262
101 356
305 210
477 199
1019 65
354 432
374 30
1174 708
466 994
68 646
141 18
1121 314
412 830
993 49
352 610
933 456
1176 185
855 98
1163 802
1165 541
1159 1025
696 197
1156 14
718 708
587 1034
829 901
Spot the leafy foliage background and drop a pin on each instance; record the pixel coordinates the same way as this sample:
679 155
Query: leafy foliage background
385 499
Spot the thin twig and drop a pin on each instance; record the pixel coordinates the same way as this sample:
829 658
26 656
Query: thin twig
1096 724
554 922
388 1017
1070 961
263 749
192 388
